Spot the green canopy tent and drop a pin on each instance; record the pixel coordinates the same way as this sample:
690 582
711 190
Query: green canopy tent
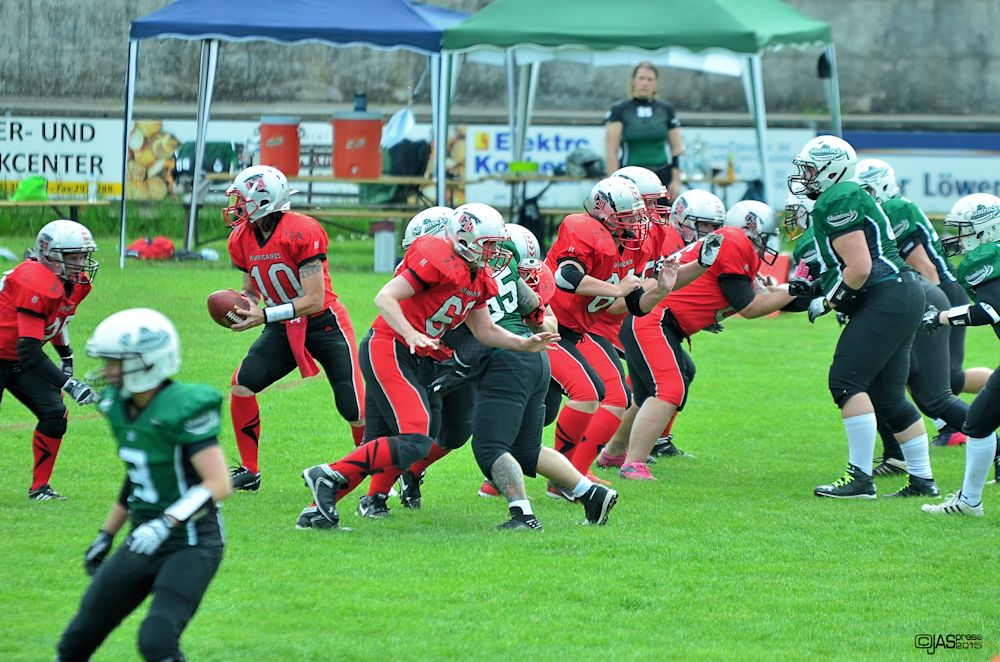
724 36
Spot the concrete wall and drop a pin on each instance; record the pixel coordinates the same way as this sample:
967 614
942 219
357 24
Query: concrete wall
896 57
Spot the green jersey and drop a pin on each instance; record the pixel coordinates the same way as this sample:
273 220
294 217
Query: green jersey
503 307
912 228
843 208
981 265
157 445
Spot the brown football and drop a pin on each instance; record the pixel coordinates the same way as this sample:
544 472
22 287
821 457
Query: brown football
220 307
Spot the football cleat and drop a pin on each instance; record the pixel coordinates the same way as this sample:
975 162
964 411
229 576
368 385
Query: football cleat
325 483
949 436
45 493
606 461
996 471
311 518
487 490
854 484
409 489
953 505
520 522
917 486
244 479
373 506
556 492
597 503
888 466
664 447
636 471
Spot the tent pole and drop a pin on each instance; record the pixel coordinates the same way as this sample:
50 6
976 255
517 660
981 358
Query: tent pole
834 92
130 75
511 93
760 122
441 128
435 67
206 81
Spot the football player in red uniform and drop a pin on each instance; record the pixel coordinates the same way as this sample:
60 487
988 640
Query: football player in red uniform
440 284
661 370
38 298
282 255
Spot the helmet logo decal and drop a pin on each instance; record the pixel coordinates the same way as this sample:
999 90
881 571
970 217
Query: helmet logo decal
752 222
826 152
983 213
145 340
468 222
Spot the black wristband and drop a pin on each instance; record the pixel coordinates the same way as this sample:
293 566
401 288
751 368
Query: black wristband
844 298
676 162
632 302
64 351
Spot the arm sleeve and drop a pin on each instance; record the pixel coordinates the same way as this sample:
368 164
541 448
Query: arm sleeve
987 300
798 305
737 290
908 244
124 492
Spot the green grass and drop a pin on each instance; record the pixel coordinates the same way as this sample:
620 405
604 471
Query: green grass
727 556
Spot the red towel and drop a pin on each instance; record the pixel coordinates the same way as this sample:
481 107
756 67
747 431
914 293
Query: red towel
296 330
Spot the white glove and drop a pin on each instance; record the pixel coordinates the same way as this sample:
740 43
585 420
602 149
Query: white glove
817 308
81 392
710 247
147 537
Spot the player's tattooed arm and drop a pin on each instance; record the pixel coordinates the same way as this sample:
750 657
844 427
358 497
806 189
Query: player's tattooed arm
311 277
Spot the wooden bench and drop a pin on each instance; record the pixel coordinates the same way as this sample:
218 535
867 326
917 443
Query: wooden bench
72 205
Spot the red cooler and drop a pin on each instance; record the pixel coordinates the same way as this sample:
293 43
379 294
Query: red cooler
356 151
279 143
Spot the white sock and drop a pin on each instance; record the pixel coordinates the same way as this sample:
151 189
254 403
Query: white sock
918 460
979 453
582 487
523 504
861 431
938 423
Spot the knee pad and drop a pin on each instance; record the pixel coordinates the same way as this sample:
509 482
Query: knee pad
157 640
899 414
552 401
528 461
455 436
842 394
957 380
485 456
346 400
52 426
409 448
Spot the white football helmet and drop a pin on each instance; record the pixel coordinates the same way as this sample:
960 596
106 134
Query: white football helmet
653 192
529 253
878 178
823 161
697 213
477 232
432 220
256 192
977 219
617 203
798 215
146 343
759 223
59 239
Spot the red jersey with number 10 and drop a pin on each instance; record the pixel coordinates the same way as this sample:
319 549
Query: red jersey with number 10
446 289
582 239
702 303
274 264
31 292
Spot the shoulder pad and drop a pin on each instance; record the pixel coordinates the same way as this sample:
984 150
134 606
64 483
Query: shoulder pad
438 252
980 266
32 276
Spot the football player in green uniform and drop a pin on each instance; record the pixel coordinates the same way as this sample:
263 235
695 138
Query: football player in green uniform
977 218
167 435
920 246
863 276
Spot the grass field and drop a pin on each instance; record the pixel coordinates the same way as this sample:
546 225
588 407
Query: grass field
727 556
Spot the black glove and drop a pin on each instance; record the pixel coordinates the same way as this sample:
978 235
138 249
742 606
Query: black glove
98 549
804 287
81 392
715 328
931 320
842 318
67 365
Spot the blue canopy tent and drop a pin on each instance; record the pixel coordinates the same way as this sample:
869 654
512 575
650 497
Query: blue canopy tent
381 24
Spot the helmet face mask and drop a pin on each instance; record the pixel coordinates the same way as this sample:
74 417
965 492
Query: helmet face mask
140 347
696 213
529 253
477 233
823 161
759 223
618 205
976 218
431 221
654 194
255 193
65 247
798 216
